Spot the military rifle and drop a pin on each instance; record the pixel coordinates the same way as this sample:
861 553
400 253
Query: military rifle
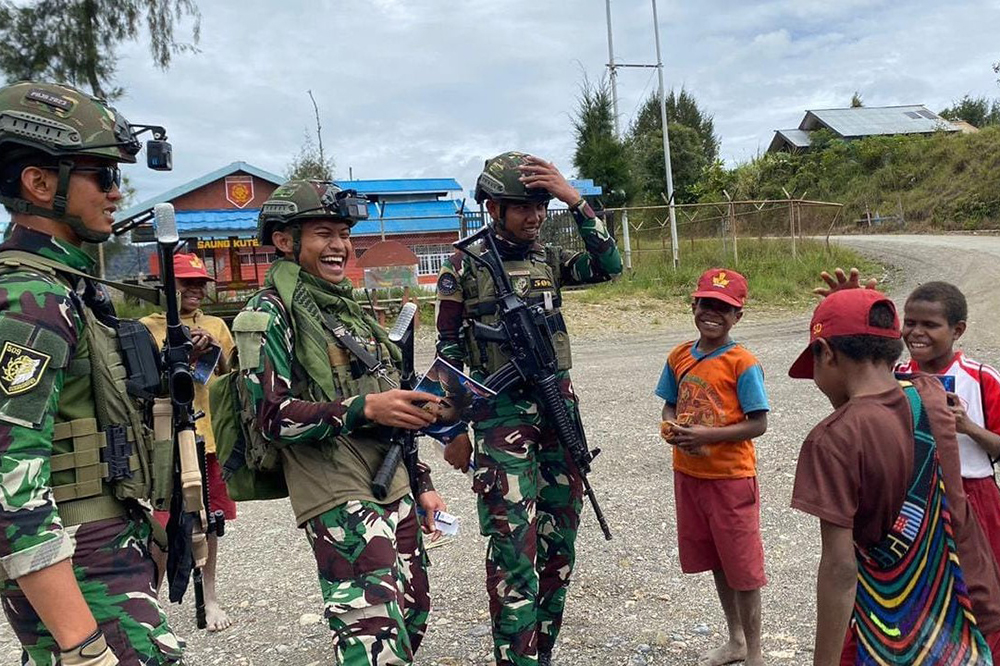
523 330
404 442
189 521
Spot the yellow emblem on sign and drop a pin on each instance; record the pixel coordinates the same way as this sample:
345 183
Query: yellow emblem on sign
720 280
21 368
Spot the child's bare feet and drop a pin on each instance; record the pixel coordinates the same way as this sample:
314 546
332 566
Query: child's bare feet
216 618
729 653
757 660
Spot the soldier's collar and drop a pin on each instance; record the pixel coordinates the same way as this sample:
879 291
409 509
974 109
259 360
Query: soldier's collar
50 247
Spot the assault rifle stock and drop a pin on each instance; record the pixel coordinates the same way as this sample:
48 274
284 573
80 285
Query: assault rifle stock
189 520
523 330
404 442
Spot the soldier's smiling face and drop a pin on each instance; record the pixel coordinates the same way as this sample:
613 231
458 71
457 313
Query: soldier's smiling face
325 249
522 220
86 200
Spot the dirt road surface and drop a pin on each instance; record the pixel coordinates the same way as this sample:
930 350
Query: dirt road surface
629 603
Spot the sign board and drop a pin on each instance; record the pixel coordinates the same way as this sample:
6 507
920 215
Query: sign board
388 277
224 243
239 190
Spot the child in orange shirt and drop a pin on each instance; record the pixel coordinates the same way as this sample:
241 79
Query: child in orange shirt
715 403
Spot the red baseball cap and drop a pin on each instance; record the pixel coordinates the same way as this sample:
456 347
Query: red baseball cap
724 285
191 267
843 312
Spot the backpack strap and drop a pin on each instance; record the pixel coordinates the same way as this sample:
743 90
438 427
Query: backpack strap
20 258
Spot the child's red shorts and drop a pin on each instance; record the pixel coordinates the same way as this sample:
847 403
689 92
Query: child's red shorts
218 497
718 527
984 498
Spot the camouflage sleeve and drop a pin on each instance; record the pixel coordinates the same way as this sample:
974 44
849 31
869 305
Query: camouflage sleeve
450 308
601 261
282 419
39 329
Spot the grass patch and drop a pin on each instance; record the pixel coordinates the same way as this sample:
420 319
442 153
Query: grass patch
776 279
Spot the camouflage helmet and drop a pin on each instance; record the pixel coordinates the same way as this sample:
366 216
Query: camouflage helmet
62 121
298 200
501 179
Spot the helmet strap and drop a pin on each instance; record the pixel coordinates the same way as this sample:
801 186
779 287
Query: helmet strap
60 203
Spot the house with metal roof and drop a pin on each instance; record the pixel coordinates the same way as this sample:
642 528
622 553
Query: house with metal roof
862 121
217 215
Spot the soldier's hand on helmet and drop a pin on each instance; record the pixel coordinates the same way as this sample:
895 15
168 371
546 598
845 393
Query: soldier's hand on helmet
430 501
395 408
92 652
841 280
537 173
458 452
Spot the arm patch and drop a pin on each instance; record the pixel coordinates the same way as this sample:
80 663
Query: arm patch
31 357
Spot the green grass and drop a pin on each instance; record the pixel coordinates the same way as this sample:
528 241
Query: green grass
775 278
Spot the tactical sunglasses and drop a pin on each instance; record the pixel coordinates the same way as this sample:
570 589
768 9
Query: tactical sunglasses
107 176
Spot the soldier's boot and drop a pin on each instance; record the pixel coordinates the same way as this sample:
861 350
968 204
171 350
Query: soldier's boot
544 657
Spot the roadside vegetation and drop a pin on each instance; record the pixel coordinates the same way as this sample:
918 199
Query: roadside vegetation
775 278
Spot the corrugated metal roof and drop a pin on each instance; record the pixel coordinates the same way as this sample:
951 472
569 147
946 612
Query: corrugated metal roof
875 120
190 186
796 137
408 217
402 185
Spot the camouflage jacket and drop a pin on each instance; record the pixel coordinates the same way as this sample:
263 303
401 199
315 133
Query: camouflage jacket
33 306
599 263
329 449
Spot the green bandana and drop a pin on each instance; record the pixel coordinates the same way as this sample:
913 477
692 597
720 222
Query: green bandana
309 298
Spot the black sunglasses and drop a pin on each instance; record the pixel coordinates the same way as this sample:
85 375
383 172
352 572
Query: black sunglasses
107 176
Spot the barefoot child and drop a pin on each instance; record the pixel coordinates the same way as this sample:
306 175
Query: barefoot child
882 475
933 320
715 403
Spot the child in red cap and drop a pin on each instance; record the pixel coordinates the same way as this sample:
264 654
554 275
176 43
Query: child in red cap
883 476
714 405
209 336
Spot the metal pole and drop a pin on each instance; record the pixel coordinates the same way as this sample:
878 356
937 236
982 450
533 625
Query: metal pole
618 133
666 143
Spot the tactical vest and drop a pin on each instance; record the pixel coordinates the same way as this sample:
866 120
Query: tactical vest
103 449
350 378
536 280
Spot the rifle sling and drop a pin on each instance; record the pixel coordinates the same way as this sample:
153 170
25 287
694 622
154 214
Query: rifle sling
372 364
148 294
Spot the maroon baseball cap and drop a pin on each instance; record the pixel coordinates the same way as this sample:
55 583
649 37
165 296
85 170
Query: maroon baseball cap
843 312
190 266
722 284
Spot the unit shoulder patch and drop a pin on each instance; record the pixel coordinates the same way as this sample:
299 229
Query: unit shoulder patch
21 368
447 284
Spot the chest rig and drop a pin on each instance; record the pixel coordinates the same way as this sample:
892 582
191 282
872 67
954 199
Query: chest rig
103 447
536 281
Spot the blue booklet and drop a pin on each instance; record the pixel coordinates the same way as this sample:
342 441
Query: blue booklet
461 397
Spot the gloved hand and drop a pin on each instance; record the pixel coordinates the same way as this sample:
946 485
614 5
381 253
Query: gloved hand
92 652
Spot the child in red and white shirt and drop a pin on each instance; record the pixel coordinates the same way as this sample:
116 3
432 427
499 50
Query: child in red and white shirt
934 318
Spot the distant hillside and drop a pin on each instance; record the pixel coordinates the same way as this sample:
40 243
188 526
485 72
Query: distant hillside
940 181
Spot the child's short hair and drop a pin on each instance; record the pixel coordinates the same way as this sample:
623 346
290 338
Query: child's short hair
956 308
874 348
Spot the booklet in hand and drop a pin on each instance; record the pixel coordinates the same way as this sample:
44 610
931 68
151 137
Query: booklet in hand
461 396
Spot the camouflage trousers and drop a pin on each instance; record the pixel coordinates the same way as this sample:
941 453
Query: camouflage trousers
530 497
116 575
373 574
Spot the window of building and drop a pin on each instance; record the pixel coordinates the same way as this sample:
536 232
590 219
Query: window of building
431 257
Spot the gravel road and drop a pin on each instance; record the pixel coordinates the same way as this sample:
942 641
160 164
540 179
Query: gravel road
629 602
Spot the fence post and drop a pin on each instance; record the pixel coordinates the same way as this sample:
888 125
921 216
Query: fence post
627 239
791 220
732 227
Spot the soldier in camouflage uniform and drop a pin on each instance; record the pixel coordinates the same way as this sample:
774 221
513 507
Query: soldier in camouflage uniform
327 416
76 576
530 492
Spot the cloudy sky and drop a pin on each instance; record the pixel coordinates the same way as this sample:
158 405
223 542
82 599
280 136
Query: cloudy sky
430 88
